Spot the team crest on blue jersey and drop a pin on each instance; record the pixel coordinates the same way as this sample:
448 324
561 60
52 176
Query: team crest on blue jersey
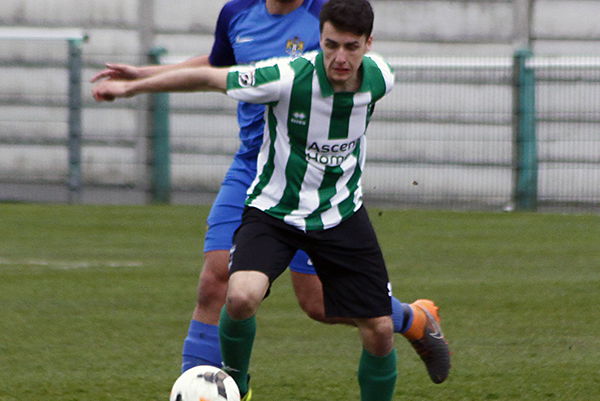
294 47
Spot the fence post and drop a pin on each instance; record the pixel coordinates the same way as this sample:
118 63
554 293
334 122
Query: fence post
74 138
522 21
525 162
160 185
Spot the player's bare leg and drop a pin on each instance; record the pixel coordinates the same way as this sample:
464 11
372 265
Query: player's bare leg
237 325
309 292
201 346
417 322
377 370
212 287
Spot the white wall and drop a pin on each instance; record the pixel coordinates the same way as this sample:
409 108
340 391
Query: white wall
33 87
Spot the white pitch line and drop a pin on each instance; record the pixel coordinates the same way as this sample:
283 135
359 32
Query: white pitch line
68 265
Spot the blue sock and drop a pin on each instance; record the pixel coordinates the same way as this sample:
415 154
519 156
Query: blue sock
201 346
402 316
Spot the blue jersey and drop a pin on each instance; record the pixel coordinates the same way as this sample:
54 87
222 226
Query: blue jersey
247 33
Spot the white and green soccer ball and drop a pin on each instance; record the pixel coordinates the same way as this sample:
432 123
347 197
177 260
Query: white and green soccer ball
204 383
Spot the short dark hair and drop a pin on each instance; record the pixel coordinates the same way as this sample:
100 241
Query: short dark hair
355 16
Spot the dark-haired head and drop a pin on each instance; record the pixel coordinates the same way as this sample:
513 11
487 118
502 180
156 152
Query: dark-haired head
355 16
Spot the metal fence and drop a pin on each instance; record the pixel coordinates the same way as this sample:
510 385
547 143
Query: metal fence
568 130
508 133
460 132
35 112
443 137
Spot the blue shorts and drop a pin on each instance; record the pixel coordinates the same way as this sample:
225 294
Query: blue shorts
226 213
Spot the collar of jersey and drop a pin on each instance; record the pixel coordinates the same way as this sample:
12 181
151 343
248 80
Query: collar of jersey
326 88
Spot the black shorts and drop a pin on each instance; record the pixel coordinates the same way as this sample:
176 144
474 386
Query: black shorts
347 259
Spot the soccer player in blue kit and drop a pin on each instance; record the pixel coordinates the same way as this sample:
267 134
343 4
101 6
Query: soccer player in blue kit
248 31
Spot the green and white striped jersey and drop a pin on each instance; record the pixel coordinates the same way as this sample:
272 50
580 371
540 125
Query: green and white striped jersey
313 153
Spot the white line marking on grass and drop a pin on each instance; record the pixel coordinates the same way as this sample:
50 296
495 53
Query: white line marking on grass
69 265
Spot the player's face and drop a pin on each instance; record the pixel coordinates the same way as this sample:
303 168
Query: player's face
343 53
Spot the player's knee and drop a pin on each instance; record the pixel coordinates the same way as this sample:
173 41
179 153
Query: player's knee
382 327
377 334
245 293
212 285
309 293
315 311
241 305
211 288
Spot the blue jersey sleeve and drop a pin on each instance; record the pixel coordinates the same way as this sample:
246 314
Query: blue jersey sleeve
315 7
221 54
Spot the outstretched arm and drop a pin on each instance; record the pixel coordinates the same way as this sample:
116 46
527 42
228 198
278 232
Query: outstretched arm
126 71
178 80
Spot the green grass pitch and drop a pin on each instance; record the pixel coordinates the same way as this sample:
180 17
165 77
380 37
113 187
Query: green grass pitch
95 302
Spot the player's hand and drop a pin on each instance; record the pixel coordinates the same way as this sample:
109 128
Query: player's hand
118 71
107 91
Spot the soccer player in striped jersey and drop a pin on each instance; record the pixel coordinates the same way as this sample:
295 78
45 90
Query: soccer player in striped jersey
249 30
307 192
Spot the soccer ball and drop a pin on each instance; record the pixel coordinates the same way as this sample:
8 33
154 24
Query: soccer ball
204 383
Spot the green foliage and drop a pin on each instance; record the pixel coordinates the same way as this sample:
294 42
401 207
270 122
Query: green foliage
95 303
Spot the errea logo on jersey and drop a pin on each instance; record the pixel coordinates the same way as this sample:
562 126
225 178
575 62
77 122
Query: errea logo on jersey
298 118
246 79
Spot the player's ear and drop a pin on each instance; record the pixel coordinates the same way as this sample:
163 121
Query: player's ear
369 43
